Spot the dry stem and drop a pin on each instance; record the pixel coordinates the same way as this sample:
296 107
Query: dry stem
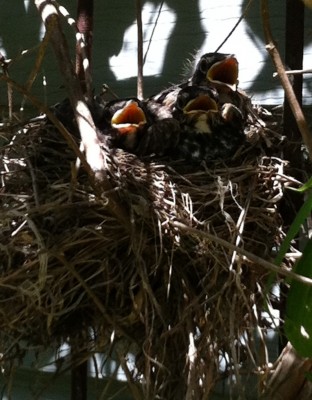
291 97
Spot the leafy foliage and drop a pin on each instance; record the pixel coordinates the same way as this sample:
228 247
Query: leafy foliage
298 324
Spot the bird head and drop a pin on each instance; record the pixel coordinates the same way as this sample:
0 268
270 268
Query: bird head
196 106
127 121
128 118
218 69
200 104
194 99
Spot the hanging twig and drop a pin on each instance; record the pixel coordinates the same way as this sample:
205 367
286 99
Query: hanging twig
140 49
235 26
39 59
290 95
38 62
84 45
153 31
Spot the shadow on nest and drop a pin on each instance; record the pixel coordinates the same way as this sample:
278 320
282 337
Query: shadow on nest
162 286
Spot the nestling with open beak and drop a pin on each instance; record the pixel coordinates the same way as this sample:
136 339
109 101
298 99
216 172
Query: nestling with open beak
220 71
215 70
135 126
124 121
208 131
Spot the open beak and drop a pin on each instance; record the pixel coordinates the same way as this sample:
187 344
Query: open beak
201 103
131 116
224 72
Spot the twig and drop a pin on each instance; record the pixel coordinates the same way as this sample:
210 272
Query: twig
153 31
295 72
140 49
38 62
235 26
133 386
250 256
289 92
39 59
84 47
93 296
94 155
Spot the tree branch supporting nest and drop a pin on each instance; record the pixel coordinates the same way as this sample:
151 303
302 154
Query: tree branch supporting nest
83 116
95 156
289 92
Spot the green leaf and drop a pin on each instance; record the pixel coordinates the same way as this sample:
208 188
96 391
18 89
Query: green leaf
298 322
302 215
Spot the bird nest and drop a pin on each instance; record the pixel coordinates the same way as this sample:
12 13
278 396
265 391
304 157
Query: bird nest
156 264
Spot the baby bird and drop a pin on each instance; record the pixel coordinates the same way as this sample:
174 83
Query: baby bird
209 131
138 127
123 123
214 70
220 71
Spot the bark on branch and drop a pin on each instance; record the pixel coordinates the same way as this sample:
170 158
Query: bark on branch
140 49
289 92
83 116
94 155
84 45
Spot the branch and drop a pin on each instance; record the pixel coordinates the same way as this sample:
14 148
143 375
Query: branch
235 26
140 49
84 36
153 31
90 141
95 158
84 45
290 95
295 72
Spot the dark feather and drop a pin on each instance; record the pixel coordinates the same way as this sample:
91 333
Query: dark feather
207 134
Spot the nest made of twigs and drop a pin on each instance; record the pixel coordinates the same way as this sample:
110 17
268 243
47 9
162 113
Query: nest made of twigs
158 277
